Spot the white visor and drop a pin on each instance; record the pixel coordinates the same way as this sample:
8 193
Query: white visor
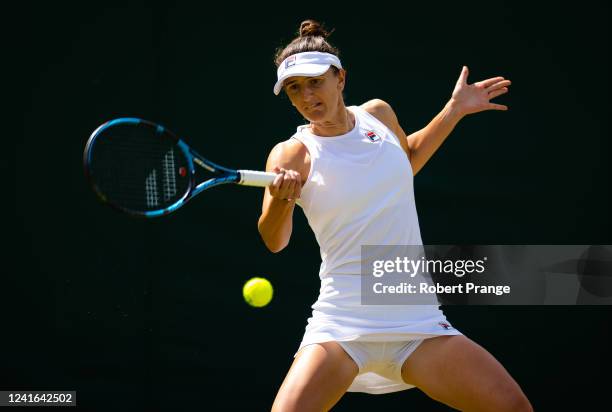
304 64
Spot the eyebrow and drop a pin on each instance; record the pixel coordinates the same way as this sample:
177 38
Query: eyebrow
290 82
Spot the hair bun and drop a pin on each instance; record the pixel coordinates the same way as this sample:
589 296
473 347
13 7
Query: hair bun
313 28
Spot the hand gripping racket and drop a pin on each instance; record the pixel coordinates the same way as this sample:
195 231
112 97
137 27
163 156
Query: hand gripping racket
143 169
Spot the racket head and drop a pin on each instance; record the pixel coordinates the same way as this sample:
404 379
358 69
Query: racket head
138 167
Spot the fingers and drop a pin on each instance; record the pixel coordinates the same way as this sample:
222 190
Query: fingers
296 185
499 85
490 82
278 180
494 106
291 187
463 76
498 92
279 176
287 185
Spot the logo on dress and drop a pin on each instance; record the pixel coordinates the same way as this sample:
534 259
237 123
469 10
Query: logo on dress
290 62
445 325
372 136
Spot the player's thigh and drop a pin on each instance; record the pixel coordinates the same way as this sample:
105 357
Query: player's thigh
319 376
460 373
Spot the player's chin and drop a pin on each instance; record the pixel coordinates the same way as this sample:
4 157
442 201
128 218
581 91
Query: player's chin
315 114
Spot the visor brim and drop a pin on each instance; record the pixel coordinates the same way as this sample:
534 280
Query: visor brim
306 70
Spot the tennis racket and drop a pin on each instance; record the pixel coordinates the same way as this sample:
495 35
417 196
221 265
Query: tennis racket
143 169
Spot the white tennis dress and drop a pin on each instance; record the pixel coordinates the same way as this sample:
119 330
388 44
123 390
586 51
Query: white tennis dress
360 192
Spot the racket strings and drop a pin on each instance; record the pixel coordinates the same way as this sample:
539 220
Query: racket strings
169 166
138 169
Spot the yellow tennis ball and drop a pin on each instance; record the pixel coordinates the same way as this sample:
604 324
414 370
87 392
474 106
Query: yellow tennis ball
257 292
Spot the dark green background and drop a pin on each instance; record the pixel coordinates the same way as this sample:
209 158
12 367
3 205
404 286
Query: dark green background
148 315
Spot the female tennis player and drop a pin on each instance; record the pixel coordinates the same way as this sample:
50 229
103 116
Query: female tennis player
351 171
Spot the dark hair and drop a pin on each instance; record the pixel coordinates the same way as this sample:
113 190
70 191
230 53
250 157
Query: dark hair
311 37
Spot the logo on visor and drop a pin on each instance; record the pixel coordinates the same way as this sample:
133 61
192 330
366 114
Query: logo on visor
290 62
372 136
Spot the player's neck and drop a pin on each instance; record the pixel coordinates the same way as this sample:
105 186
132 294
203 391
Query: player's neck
341 124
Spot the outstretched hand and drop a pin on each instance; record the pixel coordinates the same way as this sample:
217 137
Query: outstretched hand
476 97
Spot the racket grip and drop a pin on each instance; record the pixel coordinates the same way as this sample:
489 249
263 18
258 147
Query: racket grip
255 178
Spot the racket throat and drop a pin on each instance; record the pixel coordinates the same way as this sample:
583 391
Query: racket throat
204 165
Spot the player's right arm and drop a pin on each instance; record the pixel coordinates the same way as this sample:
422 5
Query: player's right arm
275 224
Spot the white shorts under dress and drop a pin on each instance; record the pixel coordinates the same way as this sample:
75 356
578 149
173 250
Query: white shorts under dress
380 361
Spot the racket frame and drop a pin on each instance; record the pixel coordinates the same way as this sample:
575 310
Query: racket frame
224 175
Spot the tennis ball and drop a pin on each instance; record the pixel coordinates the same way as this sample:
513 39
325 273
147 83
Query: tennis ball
257 292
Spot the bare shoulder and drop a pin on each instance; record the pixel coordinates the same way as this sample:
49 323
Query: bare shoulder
382 111
289 154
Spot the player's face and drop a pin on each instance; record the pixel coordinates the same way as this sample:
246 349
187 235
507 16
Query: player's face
317 98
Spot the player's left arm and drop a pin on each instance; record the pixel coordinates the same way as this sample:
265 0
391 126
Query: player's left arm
466 99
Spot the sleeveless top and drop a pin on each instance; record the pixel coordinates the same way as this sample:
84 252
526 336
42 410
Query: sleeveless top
360 192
